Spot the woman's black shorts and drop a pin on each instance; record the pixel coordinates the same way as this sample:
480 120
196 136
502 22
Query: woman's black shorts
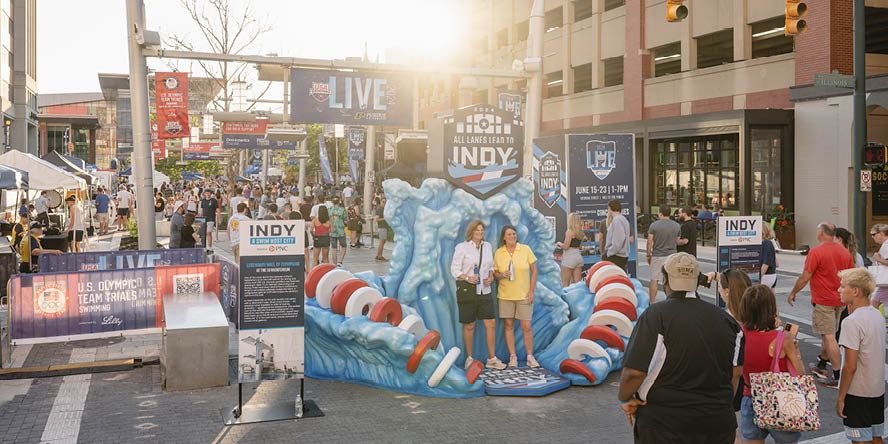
475 307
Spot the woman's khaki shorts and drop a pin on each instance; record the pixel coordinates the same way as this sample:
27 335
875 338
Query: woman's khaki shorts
521 309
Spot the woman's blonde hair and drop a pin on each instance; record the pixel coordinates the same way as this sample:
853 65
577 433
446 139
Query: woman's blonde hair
575 225
470 230
881 228
766 232
859 278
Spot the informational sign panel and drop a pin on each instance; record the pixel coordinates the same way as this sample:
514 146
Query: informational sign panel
229 282
880 192
511 101
350 98
483 148
550 182
866 180
602 168
271 303
171 102
739 245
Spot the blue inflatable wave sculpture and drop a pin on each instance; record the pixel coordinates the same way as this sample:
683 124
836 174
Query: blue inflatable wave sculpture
428 223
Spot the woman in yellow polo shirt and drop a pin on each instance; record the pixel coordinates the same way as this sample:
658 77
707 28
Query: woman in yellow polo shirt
515 267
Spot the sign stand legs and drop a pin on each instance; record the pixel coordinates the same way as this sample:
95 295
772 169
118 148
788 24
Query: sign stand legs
275 411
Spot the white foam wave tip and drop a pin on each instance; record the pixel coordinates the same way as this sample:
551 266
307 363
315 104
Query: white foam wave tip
363 298
414 325
604 273
443 366
614 318
328 283
616 290
579 348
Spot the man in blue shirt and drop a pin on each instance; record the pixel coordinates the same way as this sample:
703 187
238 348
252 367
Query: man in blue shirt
103 202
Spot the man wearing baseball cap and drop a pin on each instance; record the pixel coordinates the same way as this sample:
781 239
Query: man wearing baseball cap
176 224
682 364
30 247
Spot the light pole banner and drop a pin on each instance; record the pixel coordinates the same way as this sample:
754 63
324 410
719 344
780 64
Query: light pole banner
271 305
550 181
357 142
350 98
171 102
325 162
511 101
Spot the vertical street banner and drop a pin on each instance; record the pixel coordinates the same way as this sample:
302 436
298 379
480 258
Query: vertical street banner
158 149
739 245
350 98
325 161
550 182
483 148
511 101
271 305
602 168
171 103
357 142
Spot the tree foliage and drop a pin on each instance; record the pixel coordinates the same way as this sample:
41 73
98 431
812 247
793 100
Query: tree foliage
169 166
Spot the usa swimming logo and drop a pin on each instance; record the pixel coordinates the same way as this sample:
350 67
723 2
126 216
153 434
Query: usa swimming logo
486 146
601 157
550 178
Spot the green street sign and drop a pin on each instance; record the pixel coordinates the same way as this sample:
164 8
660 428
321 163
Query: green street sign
834 80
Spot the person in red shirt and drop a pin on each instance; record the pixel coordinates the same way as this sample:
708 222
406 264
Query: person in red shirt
822 268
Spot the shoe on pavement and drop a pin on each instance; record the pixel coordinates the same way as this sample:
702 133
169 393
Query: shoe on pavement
532 362
818 369
828 381
495 364
513 361
469 362
381 259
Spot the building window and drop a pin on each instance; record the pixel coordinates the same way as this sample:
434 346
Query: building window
521 31
554 19
56 139
502 38
479 97
612 4
767 144
768 38
667 59
613 71
715 49
582 78
696 171
583 9
124 126
553 84
81 144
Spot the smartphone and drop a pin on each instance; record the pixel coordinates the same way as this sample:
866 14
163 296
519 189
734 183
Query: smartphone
791 329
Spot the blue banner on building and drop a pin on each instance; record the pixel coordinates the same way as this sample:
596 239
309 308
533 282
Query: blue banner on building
602 168
350 98
325 162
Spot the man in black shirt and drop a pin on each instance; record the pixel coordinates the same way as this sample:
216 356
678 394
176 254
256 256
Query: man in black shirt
209 207
687 238
682 365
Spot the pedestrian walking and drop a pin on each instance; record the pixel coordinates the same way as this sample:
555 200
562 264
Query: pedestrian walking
382 229
571 259
687 238
682 365
41 206
234 228
618 236
209 209
861 399
472 267
74 228
338 243
822 267
879 233
321 232
123 202
177 221
662 242
847 240
355 223
103 204
515 267
188 233
768 272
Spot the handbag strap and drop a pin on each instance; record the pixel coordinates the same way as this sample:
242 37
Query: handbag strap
778 347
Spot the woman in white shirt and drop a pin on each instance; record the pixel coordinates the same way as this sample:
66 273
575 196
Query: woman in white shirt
879 233
75 224
472 267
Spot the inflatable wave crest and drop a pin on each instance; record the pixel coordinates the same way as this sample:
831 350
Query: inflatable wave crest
401 331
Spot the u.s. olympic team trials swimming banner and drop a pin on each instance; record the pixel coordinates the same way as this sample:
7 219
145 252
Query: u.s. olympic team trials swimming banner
118 260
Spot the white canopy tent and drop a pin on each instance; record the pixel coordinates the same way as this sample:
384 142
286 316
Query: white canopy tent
42 175
160 178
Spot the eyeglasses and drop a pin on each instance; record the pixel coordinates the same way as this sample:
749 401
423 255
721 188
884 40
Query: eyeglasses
873 234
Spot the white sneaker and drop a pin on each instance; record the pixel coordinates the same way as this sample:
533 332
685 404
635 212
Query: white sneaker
513 361
495 364
469 362
532 363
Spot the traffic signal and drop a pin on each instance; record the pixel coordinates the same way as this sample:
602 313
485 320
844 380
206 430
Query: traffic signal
676 11
874 155
795 9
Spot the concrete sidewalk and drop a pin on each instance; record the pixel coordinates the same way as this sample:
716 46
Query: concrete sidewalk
789 264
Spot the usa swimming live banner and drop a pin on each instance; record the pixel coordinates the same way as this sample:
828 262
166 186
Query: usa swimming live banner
171 102
350 98
602 168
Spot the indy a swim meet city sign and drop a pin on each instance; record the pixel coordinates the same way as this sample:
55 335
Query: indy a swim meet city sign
483 147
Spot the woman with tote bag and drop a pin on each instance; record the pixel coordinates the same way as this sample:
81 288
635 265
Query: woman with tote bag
879 269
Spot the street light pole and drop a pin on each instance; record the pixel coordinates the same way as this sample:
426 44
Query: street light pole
142 161
535 82
859 122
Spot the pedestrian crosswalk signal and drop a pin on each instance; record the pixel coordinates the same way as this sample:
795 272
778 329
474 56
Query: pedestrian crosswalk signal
676 11
795 9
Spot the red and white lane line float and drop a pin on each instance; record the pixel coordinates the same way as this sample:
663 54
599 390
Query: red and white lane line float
595 268
342 294
327 284
574 366
413 324
612 318
604 273
429 341
443 367
615 290
362 301
604 334
614 279
580 348
618 304
387 310
315 275
474 371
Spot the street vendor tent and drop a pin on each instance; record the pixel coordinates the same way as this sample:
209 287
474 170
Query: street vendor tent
42 175
159 178
64 163
128 171
13 178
